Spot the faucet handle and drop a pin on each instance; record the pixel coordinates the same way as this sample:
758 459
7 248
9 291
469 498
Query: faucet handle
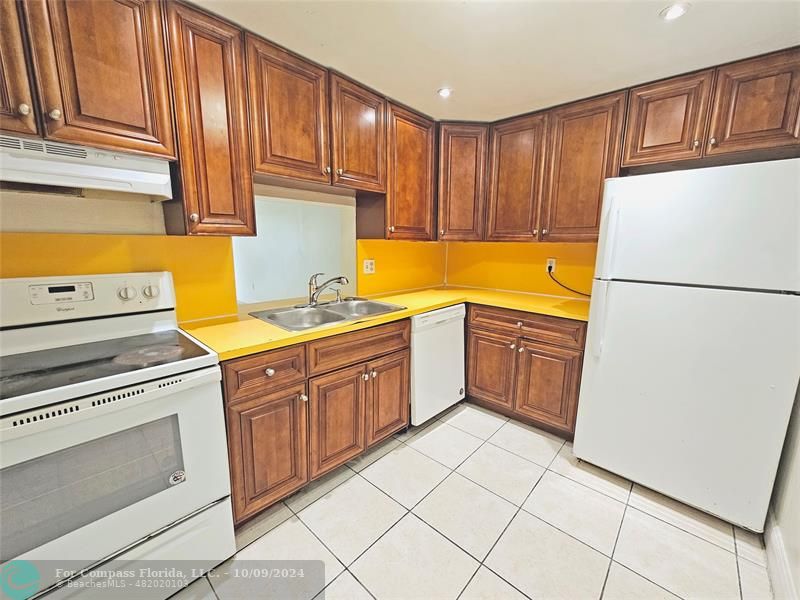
313 279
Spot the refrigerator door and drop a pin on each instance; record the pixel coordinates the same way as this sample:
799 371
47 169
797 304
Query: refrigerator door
734 226
688 391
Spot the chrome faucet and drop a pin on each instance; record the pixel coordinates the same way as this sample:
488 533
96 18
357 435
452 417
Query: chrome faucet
315 289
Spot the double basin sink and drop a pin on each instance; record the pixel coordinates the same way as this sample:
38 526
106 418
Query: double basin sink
306 317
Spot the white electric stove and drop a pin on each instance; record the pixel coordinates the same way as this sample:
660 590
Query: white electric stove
112 431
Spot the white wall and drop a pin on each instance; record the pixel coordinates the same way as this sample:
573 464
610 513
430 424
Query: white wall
786 508
296 237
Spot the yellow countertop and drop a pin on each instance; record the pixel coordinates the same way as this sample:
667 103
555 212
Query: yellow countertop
232 337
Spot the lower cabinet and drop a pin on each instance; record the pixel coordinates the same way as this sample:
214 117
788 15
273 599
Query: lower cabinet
388 395
336 427
267 446
526 366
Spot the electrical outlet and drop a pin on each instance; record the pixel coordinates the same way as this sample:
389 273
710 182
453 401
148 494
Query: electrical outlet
369 266
551 265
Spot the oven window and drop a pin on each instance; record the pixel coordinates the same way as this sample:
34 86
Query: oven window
46 497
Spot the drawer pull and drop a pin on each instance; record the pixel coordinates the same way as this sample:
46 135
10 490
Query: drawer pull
270 372
519 324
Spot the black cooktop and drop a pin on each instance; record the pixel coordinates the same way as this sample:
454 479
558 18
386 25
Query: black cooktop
30 372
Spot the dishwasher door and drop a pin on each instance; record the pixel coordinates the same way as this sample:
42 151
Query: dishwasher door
437 361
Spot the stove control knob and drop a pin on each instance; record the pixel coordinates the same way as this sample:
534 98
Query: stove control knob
150 291
126 293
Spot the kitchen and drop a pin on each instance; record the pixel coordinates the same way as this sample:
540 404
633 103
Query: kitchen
374 303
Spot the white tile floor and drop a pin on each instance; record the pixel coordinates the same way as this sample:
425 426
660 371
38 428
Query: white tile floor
475 506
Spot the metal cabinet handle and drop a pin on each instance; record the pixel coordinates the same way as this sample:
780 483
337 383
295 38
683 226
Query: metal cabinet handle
544 231
712 141
391 228
512 346
374 373
328 170
520 349
365 376
519 324
339 171
270 372
194 217
24 109
303 397
696 143
441 232
535 232
55 114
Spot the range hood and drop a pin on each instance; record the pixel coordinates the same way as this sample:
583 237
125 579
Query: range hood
42 162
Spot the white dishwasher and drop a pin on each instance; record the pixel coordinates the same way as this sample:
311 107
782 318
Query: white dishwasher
437 361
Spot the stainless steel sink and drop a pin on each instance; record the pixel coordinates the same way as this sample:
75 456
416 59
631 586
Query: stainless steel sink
307 317
298 319
353 309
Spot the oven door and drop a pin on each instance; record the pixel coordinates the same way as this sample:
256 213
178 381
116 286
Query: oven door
83 479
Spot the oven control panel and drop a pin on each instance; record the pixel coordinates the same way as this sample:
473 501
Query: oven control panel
60 292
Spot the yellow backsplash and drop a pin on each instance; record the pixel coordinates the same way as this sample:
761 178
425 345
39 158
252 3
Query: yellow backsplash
400 265
202 267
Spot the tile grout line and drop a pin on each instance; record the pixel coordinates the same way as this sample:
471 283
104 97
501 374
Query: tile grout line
738 571
614 549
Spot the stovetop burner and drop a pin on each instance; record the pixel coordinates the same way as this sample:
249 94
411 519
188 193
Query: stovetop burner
30 372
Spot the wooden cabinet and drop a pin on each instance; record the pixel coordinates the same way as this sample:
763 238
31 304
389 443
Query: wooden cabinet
288 113
491 360
214 170
516 149
101 69
547 383
336 426
264 372
338 351
462 180
410 183
526 366
17 107
388 395
268 448
667 120
358 121
583 148
756 104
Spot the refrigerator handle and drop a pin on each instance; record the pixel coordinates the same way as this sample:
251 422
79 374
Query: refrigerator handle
610 241
600 324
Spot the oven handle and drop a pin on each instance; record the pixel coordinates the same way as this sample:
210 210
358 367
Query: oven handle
53 416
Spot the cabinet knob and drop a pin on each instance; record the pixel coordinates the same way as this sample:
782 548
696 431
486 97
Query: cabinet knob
519 324
391 228
339 171
535 232
712 141
328 170
303 397
365 376
194 217
544 231
520 349
24 109
512 346
441 232
696 143
55 114
374 373
270 372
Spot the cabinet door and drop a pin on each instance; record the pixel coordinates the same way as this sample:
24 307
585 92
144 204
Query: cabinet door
490 367
288 113
388 395
215 171
547 384
336 418
102 72
410 183
268 446
756 104
584 141
17 112
667 119
462 180
515 185
359 136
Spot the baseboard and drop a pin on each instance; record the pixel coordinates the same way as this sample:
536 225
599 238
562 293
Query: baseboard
780 574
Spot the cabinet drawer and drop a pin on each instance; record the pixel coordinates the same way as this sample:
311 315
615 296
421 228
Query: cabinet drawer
349 348
543 328
264 372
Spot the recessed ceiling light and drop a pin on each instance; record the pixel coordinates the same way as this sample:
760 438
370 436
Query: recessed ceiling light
674 11
444 92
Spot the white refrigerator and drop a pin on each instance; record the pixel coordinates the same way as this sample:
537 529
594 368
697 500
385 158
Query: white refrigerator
693 348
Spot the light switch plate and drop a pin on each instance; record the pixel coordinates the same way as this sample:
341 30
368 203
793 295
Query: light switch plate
369 266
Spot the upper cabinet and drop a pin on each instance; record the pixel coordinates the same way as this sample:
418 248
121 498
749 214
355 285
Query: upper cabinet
17 112
516 149
756 104
288 113
359 136
214 168
667 119
101 71
410 183
583 149
462 180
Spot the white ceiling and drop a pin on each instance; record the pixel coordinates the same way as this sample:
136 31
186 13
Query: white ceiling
503 58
